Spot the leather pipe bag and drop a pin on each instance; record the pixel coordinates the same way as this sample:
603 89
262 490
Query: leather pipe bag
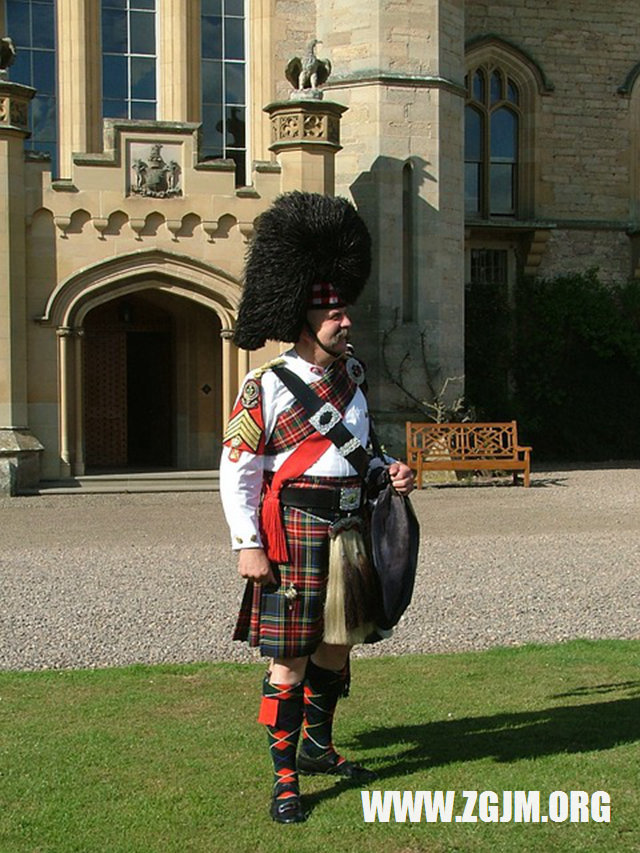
394 538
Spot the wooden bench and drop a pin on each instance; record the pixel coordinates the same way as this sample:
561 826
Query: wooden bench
466 447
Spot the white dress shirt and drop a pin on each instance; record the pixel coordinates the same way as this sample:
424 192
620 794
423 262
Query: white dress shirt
241 478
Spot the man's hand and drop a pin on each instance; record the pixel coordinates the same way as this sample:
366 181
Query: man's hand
401 477
254 565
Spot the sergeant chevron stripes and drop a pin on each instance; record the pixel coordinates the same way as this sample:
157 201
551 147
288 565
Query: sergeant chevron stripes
243 426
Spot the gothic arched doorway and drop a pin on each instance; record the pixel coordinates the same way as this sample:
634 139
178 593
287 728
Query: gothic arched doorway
128 383
197 303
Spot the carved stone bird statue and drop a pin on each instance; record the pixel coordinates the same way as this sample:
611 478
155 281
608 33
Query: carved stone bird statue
7 53
308 73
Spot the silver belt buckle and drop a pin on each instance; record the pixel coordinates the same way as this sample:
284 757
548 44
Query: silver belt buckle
349 498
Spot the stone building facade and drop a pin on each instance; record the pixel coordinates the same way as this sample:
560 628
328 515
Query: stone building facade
478 140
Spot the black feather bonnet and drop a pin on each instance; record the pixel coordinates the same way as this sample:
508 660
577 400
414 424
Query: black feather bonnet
301 240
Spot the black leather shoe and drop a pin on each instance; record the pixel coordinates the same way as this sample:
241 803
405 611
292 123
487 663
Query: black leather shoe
287 809
330 765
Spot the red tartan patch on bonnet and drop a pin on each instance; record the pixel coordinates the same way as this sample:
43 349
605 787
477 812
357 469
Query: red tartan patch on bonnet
324 295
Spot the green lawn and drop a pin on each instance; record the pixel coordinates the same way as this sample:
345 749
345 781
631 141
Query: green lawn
170 758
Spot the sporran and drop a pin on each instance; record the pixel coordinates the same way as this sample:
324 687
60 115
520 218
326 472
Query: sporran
352 589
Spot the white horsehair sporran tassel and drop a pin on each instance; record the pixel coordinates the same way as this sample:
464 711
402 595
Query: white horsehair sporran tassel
351 587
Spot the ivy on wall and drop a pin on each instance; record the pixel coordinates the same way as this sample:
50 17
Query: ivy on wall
563 359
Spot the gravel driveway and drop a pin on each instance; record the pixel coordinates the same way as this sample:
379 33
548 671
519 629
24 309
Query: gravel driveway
102 580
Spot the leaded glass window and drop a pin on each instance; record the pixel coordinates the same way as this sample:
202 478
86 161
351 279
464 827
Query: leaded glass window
31 25
224 83
489 266
492 130
129 59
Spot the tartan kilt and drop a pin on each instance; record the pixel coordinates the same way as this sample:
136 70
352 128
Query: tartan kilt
287 621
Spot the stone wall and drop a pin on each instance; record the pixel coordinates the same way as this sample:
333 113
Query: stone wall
398 67
570 251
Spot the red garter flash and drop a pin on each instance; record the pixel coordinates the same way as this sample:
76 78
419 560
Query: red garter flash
268 711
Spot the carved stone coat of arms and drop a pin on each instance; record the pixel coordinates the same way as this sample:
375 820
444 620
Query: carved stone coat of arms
152 175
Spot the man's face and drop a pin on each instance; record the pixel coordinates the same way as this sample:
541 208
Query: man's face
332 326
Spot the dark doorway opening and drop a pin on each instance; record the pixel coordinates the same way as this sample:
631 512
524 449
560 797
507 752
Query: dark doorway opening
128 386
149 403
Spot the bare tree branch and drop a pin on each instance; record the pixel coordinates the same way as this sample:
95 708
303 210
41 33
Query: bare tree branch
437 408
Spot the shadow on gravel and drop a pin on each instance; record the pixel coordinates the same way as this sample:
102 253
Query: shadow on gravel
545 482
482 482
503 737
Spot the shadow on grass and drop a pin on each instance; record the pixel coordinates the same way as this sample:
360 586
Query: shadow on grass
600 688
503 737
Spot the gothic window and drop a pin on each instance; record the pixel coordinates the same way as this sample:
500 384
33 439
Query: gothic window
31 25
224 83
492 143
129 59
408 252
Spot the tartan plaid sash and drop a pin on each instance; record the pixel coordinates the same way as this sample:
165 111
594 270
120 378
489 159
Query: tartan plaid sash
327 420
293 426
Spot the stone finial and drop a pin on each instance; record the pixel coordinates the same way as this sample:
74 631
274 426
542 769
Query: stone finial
306 75
7 55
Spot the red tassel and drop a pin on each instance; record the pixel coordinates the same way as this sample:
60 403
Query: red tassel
273 529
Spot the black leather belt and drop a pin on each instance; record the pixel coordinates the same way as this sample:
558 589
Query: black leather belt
345 499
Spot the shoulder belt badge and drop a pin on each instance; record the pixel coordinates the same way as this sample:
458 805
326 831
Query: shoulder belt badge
355 370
